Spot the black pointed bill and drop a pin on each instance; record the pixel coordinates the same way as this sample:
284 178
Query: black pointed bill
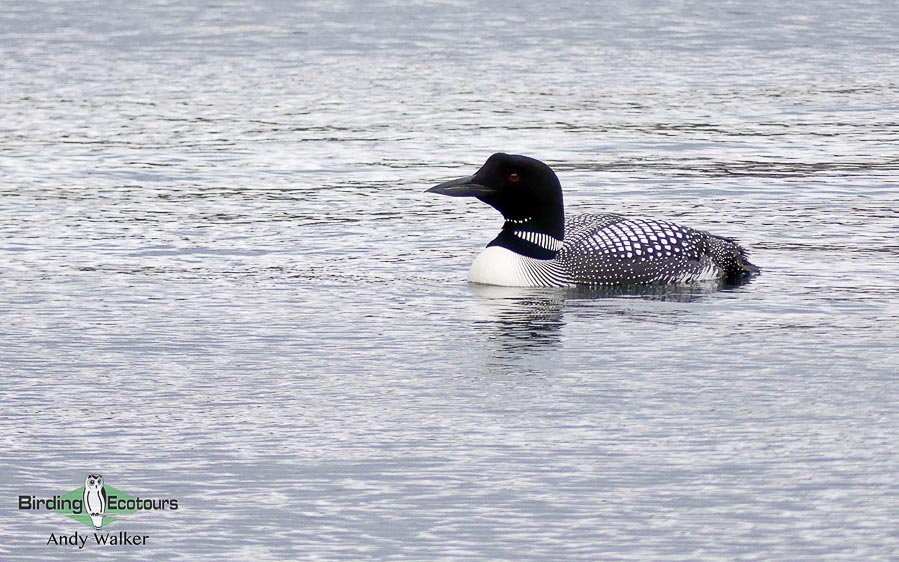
462 187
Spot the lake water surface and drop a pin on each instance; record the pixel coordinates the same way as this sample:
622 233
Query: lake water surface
222 281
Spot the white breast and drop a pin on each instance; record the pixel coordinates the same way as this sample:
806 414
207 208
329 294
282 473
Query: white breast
500 266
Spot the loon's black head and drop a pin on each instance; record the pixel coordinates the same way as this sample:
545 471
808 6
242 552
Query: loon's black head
526 191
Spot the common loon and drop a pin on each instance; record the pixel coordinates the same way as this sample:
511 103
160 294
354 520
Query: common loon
539 247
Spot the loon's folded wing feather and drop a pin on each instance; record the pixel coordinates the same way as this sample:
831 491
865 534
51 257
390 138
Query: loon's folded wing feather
612 249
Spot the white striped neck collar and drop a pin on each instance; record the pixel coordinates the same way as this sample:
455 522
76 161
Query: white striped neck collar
529 243
545 241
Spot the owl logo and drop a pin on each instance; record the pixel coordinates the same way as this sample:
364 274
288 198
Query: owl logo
95 499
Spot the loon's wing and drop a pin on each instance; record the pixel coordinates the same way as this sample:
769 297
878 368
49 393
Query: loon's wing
612 249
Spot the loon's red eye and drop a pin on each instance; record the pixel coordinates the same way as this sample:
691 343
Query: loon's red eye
514 177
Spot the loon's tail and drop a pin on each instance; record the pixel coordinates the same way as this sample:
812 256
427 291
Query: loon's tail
731 257
749 267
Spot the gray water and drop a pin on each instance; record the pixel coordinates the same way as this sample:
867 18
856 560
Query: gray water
222 281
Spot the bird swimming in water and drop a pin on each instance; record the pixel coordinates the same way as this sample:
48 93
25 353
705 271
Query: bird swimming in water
539 247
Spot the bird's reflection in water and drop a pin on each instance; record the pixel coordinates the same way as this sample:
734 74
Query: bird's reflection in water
525 319
678 293
522 318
